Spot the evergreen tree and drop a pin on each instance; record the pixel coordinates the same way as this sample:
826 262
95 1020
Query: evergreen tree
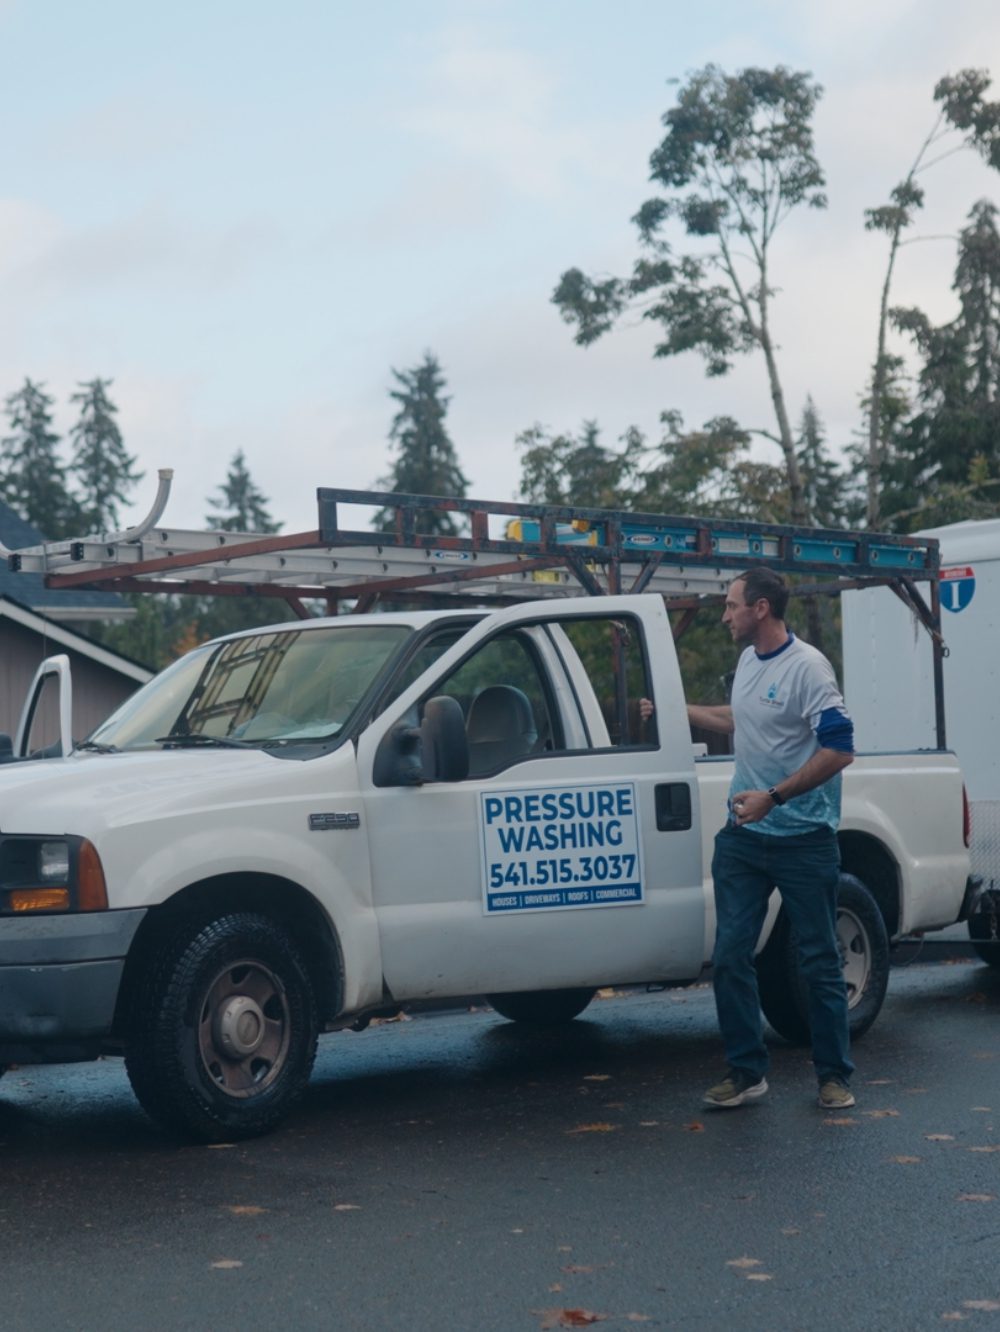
822 480
426 462
240 506
102 468
948 456
34 478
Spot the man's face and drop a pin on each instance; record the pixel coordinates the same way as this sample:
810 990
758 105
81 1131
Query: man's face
740 619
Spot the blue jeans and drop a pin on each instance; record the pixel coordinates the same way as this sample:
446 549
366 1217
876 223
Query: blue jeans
746 867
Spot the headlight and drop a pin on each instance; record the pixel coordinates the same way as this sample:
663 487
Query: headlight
53 862
50 874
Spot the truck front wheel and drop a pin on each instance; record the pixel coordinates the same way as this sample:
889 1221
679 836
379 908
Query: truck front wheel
541 1007
864 953
224 1031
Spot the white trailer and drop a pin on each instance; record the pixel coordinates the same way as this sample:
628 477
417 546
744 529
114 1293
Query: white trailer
889 689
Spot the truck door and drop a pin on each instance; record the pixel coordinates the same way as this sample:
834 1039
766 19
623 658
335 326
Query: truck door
571 853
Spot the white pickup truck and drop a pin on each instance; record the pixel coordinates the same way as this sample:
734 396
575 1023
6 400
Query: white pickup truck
293 829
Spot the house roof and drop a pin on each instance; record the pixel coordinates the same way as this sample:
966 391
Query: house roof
64 604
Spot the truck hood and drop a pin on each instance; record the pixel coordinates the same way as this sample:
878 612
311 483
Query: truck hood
87 792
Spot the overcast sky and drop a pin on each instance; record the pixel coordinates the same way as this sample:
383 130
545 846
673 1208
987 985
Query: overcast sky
246 214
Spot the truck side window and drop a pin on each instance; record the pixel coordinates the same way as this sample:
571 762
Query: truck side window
609 652
504 700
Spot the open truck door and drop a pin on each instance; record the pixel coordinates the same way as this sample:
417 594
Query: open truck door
49 701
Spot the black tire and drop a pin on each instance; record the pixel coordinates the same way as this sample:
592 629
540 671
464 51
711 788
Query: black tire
224 1032
864 951
984 933
542 1007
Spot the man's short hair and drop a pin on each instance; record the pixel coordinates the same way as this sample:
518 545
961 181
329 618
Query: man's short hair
765 585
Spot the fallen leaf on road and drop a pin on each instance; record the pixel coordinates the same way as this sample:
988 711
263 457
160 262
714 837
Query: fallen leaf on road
981 1109
219 1146
953 1317
246 1210
568 1317
994 1148
905 1160
744 1262
346 1207
879 1082
790 1230
227 1262
593 1128
607 993
984 1054
649 1123
573 1268
881 1114
940 1137
990 1306
696 1126
637 1318
597 1077
977 1197
844 1119
759 1276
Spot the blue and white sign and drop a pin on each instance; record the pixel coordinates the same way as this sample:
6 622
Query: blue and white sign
958 587
560 847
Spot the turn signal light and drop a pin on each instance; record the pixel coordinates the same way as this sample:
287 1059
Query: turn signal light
39 899
91 889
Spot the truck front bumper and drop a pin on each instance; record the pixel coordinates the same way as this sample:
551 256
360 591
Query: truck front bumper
59 980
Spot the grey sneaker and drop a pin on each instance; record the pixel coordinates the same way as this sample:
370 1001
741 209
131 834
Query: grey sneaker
834 1094
735 1089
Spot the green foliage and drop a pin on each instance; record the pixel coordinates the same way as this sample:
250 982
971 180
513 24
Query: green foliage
736 159
964 106
34 478
945 462
103 469
426 462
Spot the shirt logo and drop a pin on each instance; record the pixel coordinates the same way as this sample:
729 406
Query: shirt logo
771 697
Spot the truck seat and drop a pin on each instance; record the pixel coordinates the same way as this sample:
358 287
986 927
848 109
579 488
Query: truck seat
500 727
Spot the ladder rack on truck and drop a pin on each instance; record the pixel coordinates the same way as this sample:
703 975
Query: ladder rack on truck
513 552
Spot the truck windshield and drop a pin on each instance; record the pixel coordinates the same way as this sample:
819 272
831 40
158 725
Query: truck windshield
281 687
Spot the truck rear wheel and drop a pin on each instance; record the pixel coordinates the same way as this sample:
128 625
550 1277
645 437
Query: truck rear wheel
864 953
225 1029
984 935
540 1007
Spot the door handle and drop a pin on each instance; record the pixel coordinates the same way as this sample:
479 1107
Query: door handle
673 807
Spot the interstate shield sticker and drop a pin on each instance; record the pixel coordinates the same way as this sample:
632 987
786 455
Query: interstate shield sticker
560 848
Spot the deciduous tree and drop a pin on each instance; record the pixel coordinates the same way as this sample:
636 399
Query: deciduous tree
736 160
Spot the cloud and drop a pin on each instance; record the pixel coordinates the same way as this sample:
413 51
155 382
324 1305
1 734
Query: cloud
499 106
150 246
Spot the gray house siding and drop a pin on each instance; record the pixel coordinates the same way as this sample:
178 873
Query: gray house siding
101 679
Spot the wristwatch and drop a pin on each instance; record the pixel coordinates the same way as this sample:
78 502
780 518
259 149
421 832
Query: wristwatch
772 791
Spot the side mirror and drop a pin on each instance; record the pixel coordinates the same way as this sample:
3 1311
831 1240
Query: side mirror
435 751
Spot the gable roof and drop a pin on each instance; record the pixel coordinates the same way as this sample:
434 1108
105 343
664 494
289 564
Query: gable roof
64 604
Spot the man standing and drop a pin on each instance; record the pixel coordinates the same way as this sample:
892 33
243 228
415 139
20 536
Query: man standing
793 737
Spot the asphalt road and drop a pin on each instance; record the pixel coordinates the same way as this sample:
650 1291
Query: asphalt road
453 1172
